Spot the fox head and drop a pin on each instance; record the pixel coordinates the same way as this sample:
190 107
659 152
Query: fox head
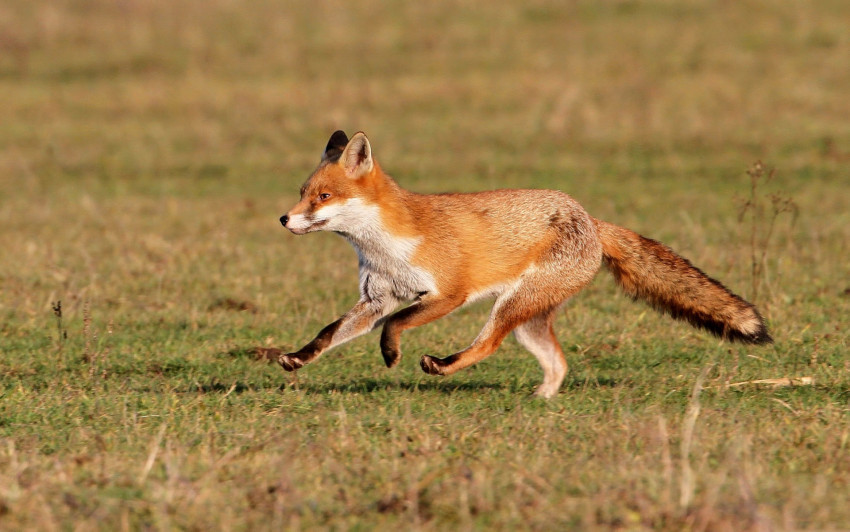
333 197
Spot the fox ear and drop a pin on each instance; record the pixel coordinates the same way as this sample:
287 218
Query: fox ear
335 146
357 156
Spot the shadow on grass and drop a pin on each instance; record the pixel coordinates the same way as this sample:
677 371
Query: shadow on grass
579 382
223 388
443 385
359 386
370 385
356 386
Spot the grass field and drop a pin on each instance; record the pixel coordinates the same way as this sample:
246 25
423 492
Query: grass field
147 150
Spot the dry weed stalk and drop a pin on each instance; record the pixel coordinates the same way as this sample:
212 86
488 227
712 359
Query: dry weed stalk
87 331
760 235
152 454
687 483
92 352
62 333
777 383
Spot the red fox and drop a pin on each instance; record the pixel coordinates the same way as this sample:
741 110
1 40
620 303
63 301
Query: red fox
528 249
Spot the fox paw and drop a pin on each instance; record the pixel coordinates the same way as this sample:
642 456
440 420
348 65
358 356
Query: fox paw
431 365
289 362
391 357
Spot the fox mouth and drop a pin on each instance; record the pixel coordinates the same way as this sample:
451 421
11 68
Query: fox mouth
314 226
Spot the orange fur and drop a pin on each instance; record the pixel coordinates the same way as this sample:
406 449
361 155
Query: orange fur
649 270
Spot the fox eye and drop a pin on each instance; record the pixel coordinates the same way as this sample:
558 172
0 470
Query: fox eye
324 196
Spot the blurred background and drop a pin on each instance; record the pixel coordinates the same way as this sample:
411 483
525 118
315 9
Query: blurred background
144 92
648 112
135 136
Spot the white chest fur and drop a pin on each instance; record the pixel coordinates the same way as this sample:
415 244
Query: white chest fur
385 258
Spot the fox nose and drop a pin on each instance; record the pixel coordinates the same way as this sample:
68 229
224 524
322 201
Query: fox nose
284 219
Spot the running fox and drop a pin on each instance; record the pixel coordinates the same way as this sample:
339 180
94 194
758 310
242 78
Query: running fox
530 249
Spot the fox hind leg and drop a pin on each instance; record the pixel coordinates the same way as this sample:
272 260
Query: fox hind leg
506 314
535 334
529 308
538 337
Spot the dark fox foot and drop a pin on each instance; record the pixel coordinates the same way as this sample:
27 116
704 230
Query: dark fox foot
391 357
432 366
290 362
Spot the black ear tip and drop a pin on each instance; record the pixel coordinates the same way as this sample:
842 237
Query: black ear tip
338 139
336 144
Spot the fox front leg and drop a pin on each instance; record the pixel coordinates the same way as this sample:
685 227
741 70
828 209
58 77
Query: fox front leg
361 319
311 351
424 311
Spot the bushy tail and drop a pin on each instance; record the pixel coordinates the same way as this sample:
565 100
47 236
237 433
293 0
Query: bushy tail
651 271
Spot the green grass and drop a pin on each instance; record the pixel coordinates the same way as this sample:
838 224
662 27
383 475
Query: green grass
148 149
